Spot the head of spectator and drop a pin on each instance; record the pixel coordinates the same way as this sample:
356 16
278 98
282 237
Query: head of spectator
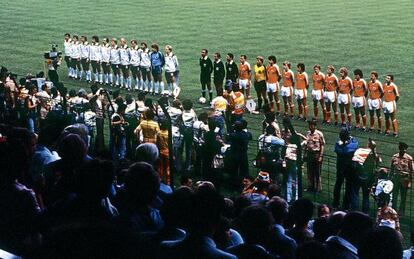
240 203
207 208
72 149
147 152
402 147
355 226
335 221
13 157
238 126
323 211
302 210
142 183
270 130
344 135
79 129
321 229
381 243
228 208
270 117
204 184
177 104
254 223
176 208
273 190
212 125
312 250
187 104
222 236
94 179
149 114
279 208
186 180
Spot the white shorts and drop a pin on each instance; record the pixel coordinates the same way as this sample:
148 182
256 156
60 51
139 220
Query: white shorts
317 95
389 107
344 99
358 102
272 88
244 83
330 96
374 104
286 91
300 94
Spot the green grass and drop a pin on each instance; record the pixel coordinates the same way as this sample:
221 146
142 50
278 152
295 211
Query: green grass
370 35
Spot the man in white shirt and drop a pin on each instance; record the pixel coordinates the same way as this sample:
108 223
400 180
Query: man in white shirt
115 60
67 44
145 67
105 58
124 54
171 67
75 57
85 62
95 59
135 54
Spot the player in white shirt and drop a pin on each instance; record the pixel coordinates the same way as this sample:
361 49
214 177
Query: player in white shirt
75 57
125 63
171 66
67 45
135 60
95 59
85 62
105 57
115 60
145 67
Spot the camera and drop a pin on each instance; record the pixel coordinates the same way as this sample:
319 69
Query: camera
53 56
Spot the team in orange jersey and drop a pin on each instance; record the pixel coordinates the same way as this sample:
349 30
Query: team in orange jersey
330 94
375 93
245 76
318 79
344 98
301 91
358 99
391 96
287 88
272 82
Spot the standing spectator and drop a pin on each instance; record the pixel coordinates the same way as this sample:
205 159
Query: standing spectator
355 227
315 145
402 174
386 216
162 144
118 125
148 127
206 68
279 243
239 143
219 105
237 105
97 104
345 148
157 63
188 118
219 73
31 104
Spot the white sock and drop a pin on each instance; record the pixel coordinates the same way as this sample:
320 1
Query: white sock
122 81
117 80
81 75
76 73
101 78
162 87
156 87
111 78
107 79
141 84
136 83
170 89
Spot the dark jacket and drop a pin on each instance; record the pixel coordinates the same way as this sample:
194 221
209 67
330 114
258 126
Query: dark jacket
219 71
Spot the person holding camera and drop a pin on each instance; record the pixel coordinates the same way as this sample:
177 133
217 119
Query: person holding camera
118 125
315 145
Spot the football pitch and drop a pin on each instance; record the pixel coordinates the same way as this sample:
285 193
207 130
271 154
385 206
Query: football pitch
369 35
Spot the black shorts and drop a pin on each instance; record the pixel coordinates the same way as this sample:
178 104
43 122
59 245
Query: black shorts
169 76
134 69
115 68
205 79
156 71
260 86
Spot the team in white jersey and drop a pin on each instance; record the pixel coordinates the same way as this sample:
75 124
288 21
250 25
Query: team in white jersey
120 65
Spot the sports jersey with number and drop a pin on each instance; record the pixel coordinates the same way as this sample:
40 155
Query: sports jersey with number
375 89
331 82
359 87
345 85
318 81
244 71
272 74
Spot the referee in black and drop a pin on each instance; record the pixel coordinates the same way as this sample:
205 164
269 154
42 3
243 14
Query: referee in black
206 68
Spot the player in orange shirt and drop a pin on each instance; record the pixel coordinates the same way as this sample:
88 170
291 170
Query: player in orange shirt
272 82
375 93
330 94
287 88
245 76
318 79
344 98
391 97
358 99
301 91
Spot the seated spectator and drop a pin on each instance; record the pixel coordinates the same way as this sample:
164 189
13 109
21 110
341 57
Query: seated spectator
207 207
409 253
18 205
354 228
312 250
89 202
381 243
134 200
323 211
254 223
302 211
257 191
321 229
186 180
279 243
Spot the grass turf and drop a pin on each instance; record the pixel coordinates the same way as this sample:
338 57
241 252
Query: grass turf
370 35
